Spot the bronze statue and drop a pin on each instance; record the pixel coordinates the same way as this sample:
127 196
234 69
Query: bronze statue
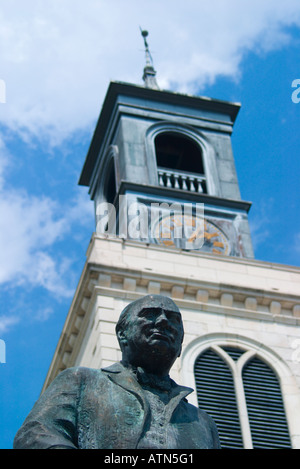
133 404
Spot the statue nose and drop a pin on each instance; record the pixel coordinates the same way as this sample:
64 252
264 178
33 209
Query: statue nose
162 317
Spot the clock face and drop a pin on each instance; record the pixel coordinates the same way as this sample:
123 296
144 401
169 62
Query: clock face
215 240
190 232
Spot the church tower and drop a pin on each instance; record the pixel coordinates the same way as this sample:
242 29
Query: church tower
169 219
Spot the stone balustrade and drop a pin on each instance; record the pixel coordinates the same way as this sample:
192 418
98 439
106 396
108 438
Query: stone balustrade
182 181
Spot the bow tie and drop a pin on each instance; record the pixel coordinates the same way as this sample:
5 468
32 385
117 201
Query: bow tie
153 381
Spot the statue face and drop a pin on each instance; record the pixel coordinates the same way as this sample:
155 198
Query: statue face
158 327
154 331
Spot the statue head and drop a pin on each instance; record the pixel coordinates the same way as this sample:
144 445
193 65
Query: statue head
150 333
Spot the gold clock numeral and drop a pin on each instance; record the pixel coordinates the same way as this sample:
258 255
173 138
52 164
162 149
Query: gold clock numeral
176 220
189 222
218 244
167 242
167 227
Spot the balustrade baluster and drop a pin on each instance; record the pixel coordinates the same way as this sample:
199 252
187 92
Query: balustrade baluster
200 188
177 180
184 184
193 184
169 183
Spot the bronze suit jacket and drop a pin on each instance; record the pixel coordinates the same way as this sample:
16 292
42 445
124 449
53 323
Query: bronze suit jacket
106 409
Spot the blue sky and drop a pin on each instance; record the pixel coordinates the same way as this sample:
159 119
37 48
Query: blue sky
56 59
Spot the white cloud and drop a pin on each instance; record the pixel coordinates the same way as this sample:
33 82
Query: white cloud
260 232
29 227
25 223
262 223
43 314
5 159
7 322
57 57
47 272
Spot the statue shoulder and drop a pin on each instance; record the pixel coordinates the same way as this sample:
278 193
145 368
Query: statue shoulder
201 415
212 426
76 376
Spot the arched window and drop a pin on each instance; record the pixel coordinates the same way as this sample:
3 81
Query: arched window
216 395
105 197
265 407
242 394
109 191
180 162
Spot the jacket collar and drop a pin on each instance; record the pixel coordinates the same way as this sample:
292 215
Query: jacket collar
126 379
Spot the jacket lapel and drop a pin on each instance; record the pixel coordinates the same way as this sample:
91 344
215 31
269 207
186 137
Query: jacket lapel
122 377
178 393
119 375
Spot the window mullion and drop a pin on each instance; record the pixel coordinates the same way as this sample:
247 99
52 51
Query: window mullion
241 399
236 368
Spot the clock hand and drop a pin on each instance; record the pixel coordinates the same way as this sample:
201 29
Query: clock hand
194 235
206 235
210 235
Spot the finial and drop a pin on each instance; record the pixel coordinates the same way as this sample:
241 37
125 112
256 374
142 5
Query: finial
149 72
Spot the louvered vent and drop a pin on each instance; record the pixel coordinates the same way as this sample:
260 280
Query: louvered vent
234 352
265 407
216 395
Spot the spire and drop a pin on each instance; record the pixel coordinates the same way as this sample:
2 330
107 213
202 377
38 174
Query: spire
149 72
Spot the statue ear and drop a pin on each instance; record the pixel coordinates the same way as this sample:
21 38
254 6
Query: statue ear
122 337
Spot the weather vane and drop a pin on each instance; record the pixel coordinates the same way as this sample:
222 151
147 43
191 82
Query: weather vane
144 33
149 72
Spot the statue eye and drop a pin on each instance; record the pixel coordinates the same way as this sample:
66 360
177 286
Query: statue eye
148 313
176 318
